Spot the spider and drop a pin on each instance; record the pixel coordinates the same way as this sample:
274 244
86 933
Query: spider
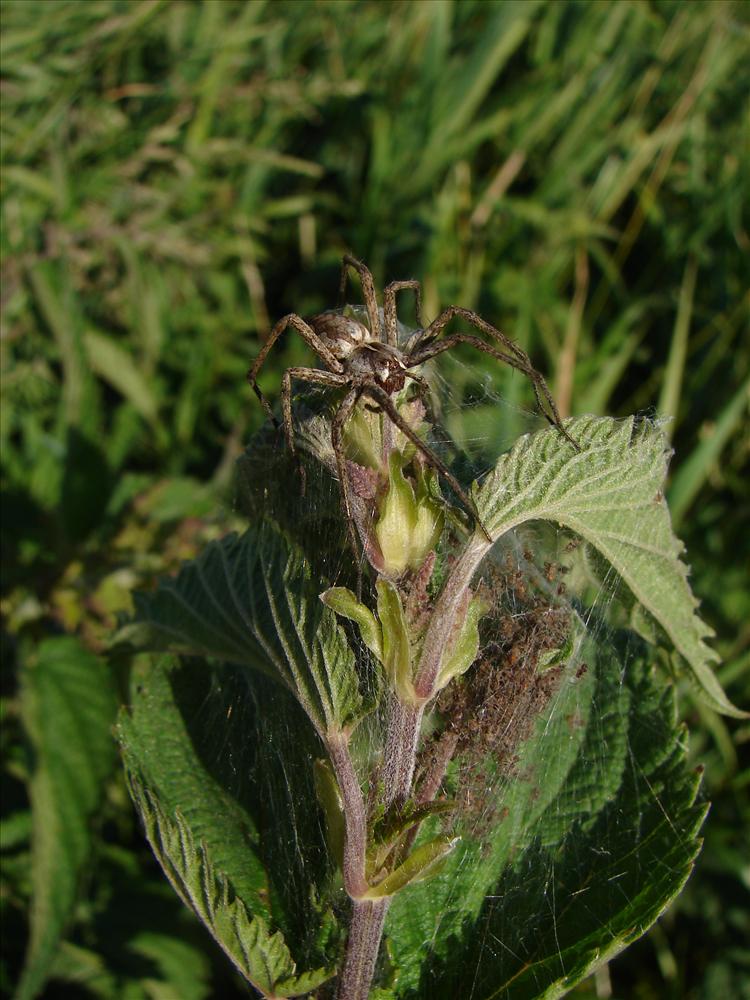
367 361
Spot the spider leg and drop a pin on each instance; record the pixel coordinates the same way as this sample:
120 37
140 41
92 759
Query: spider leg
337 441
368 291
518 359
308 335
390 319
432 350
424 386
436 327
423 392
385 402
316 377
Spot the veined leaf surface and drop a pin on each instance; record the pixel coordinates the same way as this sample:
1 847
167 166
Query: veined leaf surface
610 493
262 957
578 851
184 741
252 600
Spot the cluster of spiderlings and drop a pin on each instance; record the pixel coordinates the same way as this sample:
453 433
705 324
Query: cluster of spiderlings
488 713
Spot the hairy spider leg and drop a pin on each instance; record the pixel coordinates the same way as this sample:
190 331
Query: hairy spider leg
345 410
308 335
432 350
423 390
368 291
436 327
385 402
316 377
520 359
390 318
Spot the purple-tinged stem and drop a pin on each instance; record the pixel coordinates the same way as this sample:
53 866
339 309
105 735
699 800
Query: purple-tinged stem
446 747
355 815
400 757
365 932
404 722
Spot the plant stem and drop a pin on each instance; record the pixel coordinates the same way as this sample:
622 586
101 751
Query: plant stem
400 757
365 932
430 785
355 815
404 722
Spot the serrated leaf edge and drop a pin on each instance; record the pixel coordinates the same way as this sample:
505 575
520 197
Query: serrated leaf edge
260 956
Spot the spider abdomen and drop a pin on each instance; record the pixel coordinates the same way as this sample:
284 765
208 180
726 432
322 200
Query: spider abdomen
342 334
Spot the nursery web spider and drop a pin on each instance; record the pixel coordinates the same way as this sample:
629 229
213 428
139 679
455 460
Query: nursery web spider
367 361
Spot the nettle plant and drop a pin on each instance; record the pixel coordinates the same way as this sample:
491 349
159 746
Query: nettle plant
390 747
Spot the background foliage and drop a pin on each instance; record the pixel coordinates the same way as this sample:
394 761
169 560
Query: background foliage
177 175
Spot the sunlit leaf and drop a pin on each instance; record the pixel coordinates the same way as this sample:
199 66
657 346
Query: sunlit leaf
252 600
611 493
344 602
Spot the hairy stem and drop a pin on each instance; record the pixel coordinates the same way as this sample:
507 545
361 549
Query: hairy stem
355 815
429 787
365 932
404 722
400 757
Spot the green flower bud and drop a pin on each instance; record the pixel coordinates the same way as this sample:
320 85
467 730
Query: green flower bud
363 438
410 525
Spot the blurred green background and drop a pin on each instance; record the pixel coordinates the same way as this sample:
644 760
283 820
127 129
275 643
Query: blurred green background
177 175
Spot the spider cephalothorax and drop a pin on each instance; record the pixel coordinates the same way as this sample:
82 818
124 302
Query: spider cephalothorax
363 355
360 350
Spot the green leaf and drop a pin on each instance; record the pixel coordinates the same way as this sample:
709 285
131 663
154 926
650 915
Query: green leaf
344 602
159 745
694 470
611 493
76 965
183 970
579 850
206 743
390 827
331 802
68 705
169 967
60 306
465 647
396 645
419 865
252 600
262 957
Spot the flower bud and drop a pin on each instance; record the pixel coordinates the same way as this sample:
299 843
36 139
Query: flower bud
410 524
